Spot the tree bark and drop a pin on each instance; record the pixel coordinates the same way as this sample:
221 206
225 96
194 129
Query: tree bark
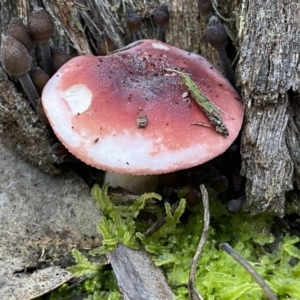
269 33
264 34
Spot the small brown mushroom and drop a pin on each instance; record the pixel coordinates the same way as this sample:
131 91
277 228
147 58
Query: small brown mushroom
235 205
205 7
17 62
217 37
134 23
59 58
105 44
161 18
39 78
220 184
191 195
17 30
41 28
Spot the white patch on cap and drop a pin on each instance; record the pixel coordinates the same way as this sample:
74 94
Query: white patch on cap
160 46
79 98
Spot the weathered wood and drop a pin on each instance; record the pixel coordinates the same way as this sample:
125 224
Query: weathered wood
269 32
21 130
137 276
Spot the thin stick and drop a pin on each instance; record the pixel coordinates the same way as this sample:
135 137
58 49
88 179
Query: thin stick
201 124
191 285
237 257
160 222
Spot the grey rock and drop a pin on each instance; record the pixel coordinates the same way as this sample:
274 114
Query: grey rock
42 218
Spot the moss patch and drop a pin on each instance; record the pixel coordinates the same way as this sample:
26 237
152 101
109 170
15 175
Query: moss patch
173 246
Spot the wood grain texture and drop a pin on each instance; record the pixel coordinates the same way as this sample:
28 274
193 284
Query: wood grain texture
269 72
137 276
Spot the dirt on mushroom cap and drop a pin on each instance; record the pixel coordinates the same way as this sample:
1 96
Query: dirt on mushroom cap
93 103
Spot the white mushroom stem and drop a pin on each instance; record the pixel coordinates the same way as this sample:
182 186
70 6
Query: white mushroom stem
136 184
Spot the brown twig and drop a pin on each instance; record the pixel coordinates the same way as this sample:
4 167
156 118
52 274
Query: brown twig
160 222
191 286
237 257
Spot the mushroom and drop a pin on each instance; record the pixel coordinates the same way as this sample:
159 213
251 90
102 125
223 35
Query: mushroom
105 44
161 19
41 28
205 7
134 23
17 62
17 30
217 37
235 205
220 184
59 58
39 78
92 104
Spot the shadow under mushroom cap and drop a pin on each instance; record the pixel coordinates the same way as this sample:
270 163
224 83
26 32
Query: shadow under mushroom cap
93 103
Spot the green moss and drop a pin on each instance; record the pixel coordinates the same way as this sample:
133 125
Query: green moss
118 222
173 247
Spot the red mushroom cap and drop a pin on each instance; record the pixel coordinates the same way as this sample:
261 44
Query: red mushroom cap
93 104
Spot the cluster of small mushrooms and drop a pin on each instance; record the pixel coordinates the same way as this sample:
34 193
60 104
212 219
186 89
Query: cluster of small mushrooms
129 112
